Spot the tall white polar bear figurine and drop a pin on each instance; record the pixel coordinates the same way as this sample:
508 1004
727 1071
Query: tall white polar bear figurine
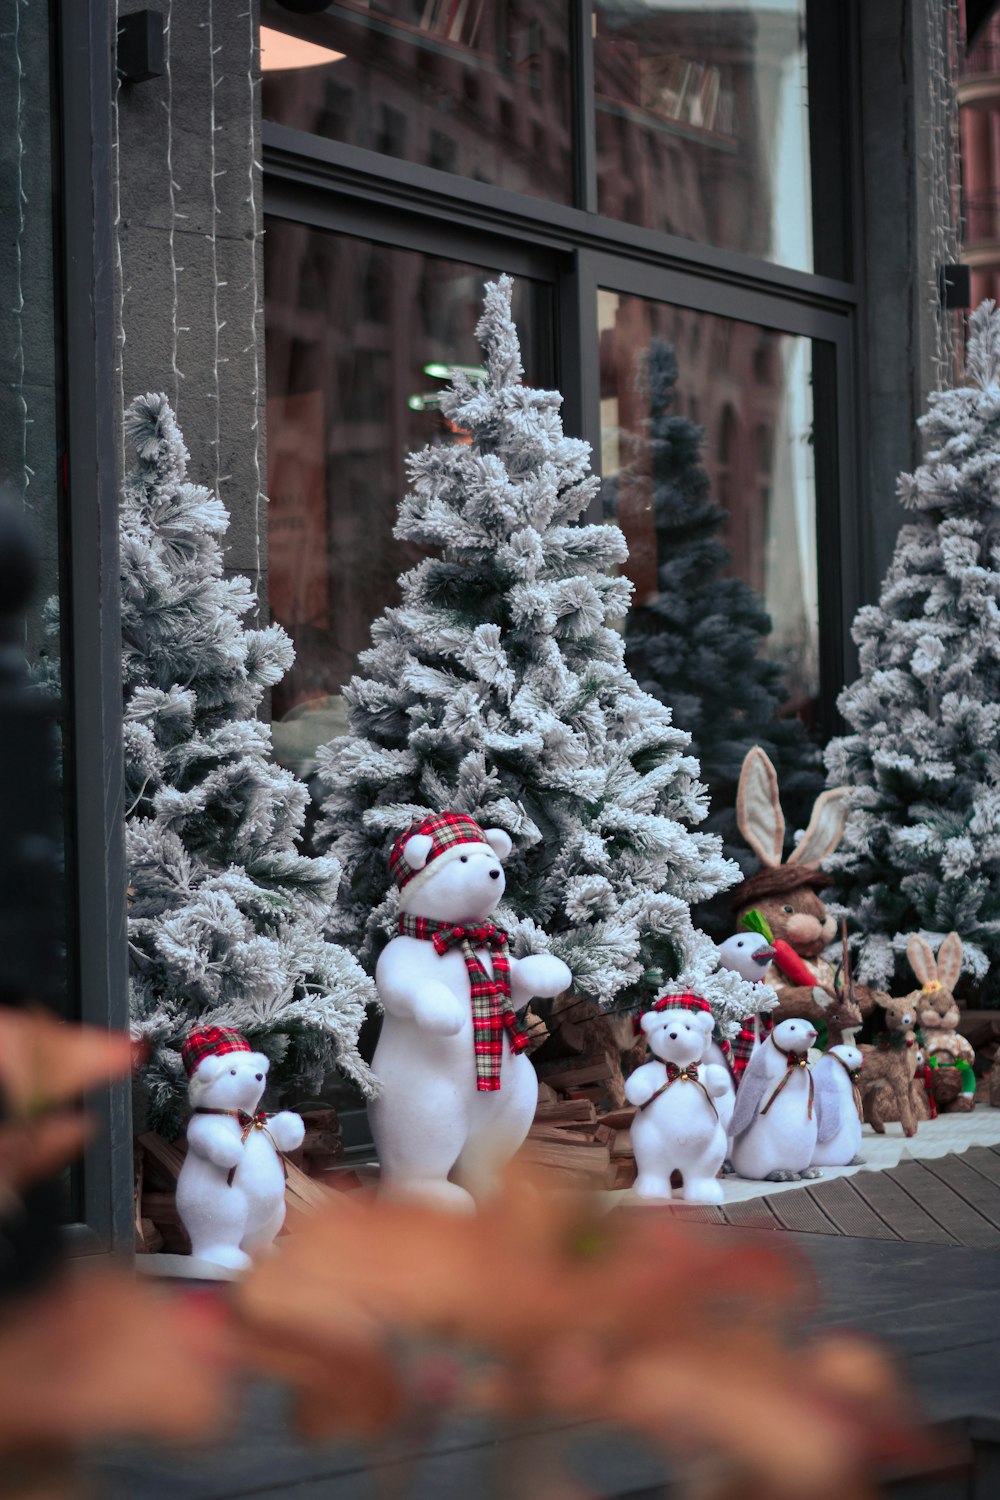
458 1095
231 1189
677 1126
774 1123
838 1113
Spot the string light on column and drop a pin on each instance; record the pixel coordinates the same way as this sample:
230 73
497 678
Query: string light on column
27 473
217 285
173 188
942 167
119 266
252 286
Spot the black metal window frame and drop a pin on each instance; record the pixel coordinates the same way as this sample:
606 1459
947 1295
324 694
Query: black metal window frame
97 878
331 185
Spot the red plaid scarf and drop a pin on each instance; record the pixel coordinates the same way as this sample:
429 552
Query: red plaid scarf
743 1044
688 1074
793 1060
247 1122
492 1012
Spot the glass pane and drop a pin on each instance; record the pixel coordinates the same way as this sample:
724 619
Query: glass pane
32 821
477 87
702 122
360 341
746 445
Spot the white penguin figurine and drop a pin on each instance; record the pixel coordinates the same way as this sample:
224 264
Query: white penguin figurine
774 1124
747 954
838 1139
677 1126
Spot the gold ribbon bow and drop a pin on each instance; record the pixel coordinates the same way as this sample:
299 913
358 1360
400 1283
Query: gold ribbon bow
247 1123
793 1060
687 1074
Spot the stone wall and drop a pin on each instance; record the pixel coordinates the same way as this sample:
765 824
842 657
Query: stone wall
190 246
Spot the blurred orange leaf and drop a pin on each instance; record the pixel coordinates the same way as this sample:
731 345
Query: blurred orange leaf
98 1354
629 1318
45 1061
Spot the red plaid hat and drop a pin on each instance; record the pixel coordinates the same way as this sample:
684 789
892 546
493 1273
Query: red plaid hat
673 1002
209 1040
448 832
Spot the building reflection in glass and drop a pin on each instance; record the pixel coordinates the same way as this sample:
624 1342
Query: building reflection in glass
702 122
749 389
476 87
360 341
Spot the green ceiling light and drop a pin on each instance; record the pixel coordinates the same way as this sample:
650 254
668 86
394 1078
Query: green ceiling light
448 372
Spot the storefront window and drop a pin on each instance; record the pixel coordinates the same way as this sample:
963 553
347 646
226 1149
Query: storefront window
476 87
33 898
743 440
702 122
360 342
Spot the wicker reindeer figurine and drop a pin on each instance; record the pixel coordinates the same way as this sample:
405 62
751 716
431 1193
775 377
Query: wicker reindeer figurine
938 1016
888 1077
785 895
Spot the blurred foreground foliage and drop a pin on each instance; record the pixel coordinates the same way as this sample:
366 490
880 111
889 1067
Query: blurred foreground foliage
378 1314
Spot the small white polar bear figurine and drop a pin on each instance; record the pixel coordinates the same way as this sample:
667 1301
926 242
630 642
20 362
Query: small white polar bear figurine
677 1126
457 1094
838 1139
774 1124
231 1189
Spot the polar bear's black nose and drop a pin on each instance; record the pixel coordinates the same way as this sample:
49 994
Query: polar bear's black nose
259 1077
494 874
673 1036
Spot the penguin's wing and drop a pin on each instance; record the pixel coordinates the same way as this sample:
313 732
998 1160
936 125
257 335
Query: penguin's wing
827 1102
749 1095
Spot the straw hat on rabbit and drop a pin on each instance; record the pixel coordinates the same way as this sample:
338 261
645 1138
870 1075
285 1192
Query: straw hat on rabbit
786 894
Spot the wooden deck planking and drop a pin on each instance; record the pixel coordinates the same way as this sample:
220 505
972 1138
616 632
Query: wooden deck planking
800 1210
970 1185
752 1213
851 1214
985 1160
946 1207
894 1207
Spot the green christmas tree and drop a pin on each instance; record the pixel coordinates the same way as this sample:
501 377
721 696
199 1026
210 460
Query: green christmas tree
697 644
226 916
498 688
921 850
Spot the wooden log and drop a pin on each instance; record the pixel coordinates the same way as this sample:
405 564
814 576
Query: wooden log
573 1075
546 1094
568 1155
567 1112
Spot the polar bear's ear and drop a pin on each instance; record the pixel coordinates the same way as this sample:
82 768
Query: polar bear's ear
704 1019
416 850
499 842
212 1067
652 1021
260 1062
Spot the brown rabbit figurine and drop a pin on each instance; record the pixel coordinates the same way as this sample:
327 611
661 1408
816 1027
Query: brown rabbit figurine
938 1015
786 897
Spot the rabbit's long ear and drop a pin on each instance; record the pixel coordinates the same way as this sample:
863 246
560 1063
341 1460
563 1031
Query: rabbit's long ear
826 827
922 960
949 960
758 811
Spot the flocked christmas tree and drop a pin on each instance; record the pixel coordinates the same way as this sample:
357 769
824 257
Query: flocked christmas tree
696 644
225 915
921 851
498 688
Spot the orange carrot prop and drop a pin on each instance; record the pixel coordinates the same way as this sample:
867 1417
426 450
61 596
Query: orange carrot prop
788 961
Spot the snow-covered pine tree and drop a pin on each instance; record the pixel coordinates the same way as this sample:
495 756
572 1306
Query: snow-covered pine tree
697 644
921 851
226 916
497 688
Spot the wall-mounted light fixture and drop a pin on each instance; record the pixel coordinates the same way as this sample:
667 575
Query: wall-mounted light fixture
140 54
